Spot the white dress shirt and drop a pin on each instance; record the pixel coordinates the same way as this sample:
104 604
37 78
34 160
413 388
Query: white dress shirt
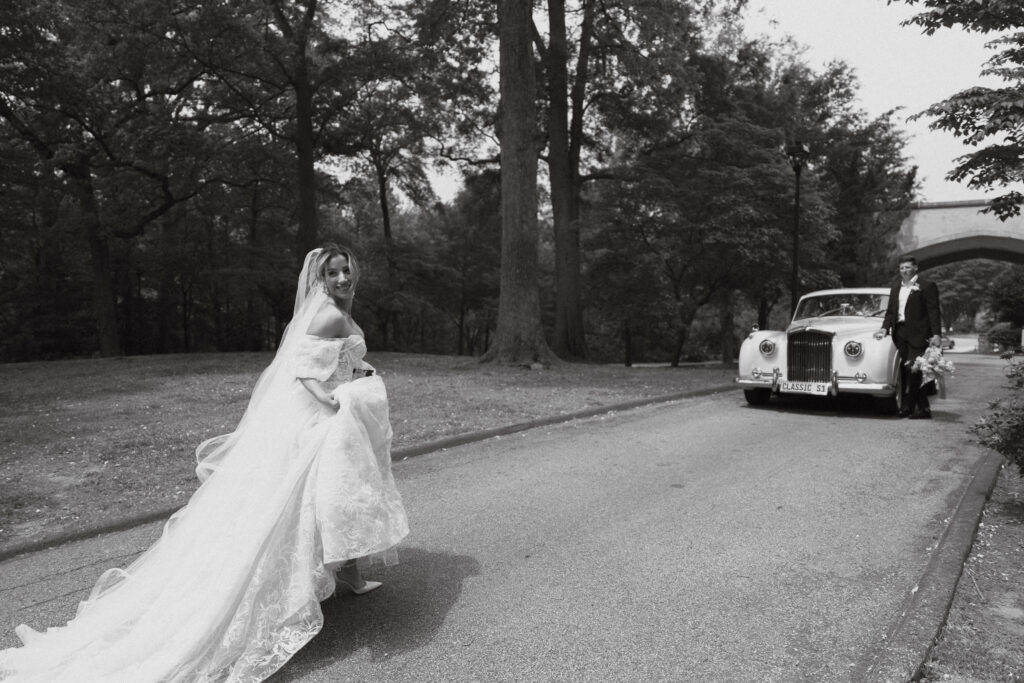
905 289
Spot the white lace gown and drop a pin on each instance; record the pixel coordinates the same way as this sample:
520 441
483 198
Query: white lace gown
231 590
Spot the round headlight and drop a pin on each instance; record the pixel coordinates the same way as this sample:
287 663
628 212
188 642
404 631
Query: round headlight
853 349
767 347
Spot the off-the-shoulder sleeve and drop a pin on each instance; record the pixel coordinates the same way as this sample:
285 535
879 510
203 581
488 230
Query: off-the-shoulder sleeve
316 358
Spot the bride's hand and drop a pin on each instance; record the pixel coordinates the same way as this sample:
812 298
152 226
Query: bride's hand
330 402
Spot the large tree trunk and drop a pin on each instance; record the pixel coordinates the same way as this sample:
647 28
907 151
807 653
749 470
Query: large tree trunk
687 310
380 168
570 340
519 337
104 309
298 31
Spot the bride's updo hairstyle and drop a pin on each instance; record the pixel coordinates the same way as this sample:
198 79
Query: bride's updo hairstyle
329 251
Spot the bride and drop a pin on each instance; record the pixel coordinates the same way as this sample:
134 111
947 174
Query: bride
291 505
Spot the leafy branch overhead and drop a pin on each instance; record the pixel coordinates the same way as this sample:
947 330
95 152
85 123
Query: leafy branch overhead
990 119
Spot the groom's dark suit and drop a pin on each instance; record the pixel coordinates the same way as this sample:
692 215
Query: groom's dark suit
922 321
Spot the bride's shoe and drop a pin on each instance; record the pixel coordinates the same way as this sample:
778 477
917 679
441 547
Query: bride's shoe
362 590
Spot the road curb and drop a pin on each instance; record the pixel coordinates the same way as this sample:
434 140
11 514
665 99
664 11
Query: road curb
917 628
397 455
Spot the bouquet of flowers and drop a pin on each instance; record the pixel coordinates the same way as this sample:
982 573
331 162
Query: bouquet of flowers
933 368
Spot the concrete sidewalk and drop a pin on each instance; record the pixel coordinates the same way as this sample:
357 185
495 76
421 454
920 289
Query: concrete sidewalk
641 545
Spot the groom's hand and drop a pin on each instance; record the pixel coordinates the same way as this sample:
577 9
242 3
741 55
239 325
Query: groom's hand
880 333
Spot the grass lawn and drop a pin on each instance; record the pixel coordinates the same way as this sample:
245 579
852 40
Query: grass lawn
85 442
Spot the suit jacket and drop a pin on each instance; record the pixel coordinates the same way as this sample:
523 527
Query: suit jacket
922 318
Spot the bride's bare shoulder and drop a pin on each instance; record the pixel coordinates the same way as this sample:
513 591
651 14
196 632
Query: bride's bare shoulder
331 321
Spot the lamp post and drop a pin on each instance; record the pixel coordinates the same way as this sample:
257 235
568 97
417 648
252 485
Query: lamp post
797 153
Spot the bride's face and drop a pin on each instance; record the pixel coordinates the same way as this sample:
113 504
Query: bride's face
338 278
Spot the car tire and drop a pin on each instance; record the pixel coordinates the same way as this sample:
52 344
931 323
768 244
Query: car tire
757 397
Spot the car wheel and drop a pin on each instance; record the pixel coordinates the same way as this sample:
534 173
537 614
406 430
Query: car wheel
757 397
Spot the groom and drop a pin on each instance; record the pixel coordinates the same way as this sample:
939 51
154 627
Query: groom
913 319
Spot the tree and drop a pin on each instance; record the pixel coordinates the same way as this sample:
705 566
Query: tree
469 259
710 197
564 146
630 57
106 111
271 64
1006 295
711 217
518 337
966 290
413 90
863 169
979 114
44 308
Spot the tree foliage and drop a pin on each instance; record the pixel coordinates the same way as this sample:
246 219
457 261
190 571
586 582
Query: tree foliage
167 162
629 58
709 197
991 120
171 150
1007 295
966 290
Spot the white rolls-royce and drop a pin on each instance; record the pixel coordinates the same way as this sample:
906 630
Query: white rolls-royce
827 350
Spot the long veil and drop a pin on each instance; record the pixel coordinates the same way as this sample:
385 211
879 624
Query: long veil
231 589
272 386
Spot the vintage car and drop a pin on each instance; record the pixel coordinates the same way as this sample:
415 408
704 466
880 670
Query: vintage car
828 349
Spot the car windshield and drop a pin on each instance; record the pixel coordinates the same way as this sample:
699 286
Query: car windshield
860 305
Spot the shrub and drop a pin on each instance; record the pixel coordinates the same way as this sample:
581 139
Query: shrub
1005 335
1003 429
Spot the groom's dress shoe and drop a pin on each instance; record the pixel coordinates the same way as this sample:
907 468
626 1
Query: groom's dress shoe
905 412
921 415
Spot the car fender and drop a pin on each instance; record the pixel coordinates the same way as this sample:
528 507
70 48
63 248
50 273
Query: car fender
752 355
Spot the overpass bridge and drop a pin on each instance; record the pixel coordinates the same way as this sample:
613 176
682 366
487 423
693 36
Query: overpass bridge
937 233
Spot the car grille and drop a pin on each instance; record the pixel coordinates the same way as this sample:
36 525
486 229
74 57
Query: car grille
809 357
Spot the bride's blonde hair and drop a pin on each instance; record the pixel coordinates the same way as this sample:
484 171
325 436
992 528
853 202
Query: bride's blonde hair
329 251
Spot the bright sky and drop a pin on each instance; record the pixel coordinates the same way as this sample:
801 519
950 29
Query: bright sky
898 66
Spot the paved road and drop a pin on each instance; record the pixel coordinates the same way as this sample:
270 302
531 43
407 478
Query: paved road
701 540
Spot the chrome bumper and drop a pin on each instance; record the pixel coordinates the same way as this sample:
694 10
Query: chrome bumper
838 385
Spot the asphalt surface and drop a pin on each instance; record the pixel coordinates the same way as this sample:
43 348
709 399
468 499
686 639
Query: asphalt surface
695 540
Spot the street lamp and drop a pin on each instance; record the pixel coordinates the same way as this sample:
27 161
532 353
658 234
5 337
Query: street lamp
797 153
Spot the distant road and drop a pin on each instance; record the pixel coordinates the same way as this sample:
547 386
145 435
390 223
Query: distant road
964 343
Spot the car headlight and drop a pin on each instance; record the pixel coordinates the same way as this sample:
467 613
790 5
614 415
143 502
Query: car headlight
853 349
766 347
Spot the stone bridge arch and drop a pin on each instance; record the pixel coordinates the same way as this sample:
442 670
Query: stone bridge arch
937 233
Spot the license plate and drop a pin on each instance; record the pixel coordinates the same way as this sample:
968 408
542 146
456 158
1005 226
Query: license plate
815 388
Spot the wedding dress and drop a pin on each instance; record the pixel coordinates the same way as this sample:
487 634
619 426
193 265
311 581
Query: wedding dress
231 589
